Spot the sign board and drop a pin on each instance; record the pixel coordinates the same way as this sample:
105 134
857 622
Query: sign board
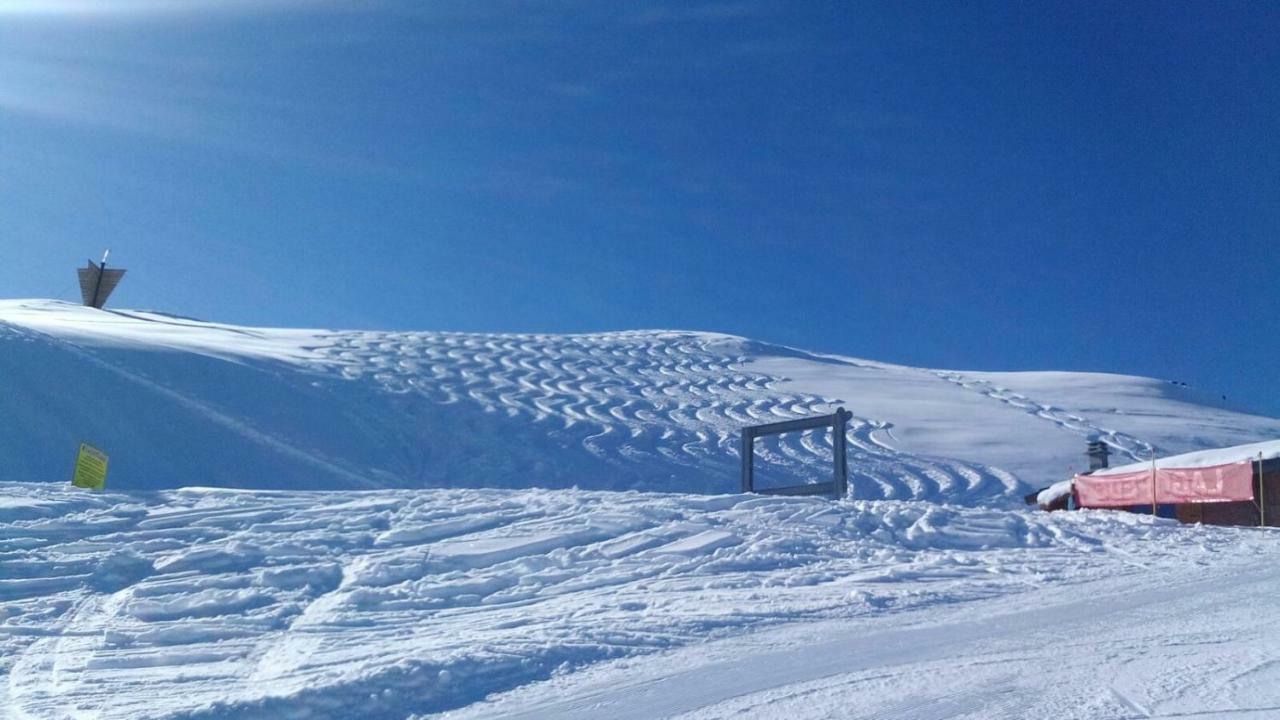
97 282
91 468
1232 482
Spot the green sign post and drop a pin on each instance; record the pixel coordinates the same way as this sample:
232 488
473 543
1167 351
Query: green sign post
91 468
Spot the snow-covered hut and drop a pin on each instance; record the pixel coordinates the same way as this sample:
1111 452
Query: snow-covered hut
1237 485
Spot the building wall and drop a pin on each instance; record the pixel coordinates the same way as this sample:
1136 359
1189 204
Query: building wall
1270 494
1240 513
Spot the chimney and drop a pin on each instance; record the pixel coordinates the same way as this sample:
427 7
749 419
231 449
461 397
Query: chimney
1098 453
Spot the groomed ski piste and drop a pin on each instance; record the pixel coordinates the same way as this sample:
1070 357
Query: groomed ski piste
309 523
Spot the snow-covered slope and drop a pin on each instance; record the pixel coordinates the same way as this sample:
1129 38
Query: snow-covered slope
254 604
178 402
473 579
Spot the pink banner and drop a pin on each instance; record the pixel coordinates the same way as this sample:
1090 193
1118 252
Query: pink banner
1114 490
1219 483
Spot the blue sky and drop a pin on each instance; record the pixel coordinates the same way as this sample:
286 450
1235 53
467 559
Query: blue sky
1084 186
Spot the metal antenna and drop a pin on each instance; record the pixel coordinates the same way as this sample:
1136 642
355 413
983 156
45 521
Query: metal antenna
97 287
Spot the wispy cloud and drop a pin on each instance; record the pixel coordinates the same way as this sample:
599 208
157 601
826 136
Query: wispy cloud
73 93
82 8
172 100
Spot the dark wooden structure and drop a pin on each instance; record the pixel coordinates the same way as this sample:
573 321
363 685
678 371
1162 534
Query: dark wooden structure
838 487
1266 494
1099 455
97 282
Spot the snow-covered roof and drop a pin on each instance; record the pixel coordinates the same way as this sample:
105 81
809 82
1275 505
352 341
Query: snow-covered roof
1269 449
1054 492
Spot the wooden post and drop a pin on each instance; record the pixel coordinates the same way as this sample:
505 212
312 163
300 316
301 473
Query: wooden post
102 271
748 459
1154 511
1262 494
840 484
97 287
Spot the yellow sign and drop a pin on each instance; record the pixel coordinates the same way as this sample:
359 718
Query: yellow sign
91 468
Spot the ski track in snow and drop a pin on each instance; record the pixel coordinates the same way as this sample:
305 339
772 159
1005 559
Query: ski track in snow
1136 449
644 410
214 603
651 399
1171 645
652 410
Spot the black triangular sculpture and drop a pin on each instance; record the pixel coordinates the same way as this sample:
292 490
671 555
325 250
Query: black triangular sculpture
97 282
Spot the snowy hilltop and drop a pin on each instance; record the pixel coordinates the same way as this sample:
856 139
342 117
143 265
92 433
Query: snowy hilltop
179 402
466 558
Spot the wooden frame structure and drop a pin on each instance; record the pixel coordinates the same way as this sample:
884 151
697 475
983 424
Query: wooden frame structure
838 487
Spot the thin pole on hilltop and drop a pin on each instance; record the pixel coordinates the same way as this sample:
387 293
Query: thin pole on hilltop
102 270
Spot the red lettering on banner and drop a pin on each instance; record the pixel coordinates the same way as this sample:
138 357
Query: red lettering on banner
1219 483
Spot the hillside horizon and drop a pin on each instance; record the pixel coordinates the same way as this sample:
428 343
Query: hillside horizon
183 401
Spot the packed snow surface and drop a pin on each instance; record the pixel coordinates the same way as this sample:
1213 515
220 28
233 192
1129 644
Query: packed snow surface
203 603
